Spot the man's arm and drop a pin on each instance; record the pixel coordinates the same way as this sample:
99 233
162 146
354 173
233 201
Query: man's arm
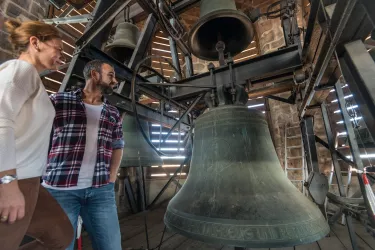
118 146
115 164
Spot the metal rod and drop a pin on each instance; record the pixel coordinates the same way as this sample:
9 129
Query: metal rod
353 144
189 67
310 26
370 6
130 194
280 99
259 69
168 183
182 117
331 147
174 181
174 53
308 136
352 235
271 90
337 167
161 121
179 134
66 12
319 71
67 20
150 7
144 40
323 143
358 69
155 72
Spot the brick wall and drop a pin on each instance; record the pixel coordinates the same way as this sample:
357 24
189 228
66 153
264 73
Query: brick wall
21 9
271 38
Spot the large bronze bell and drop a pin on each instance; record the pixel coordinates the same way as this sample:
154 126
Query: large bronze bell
124 41
236 193
220 21
137 152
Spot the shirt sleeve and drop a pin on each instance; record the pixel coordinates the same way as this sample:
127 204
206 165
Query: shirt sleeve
52 97
118 140
12 98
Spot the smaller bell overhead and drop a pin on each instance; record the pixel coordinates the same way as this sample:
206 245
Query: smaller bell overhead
220 21
137 152
124 42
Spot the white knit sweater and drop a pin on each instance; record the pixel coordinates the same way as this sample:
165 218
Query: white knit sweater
26 116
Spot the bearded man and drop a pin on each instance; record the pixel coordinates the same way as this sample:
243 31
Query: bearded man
85 154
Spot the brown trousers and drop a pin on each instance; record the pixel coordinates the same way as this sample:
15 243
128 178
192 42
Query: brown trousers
44 220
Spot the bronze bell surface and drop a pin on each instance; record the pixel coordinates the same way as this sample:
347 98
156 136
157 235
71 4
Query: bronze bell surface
220 21
124 41
236 193
137 152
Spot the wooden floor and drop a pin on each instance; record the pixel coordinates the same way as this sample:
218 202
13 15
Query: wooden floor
134 237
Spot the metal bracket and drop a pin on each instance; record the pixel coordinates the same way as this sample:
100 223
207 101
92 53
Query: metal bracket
290 100
72 19
317 184
325 144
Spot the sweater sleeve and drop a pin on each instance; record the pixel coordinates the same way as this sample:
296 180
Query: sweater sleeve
12 98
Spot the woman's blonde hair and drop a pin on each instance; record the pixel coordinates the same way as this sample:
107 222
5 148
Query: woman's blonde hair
20 33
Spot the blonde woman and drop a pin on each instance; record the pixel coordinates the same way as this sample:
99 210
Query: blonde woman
26 117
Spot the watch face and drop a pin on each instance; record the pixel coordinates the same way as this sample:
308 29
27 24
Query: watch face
7 179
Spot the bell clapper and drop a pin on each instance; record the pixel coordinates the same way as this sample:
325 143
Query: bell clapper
220 47
233 90
211 68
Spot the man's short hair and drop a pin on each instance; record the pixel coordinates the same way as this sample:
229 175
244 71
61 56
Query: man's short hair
93 65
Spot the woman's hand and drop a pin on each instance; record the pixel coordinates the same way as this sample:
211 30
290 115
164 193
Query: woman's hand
12 203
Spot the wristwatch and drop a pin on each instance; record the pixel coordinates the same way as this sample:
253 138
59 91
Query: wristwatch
7 179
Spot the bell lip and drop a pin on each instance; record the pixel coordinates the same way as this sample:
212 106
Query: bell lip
245 244
232 106
225 13
119 45
135 163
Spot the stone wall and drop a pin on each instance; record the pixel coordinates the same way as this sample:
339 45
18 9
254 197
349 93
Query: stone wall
23 10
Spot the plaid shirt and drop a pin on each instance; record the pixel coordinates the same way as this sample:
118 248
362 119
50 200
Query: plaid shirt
69 138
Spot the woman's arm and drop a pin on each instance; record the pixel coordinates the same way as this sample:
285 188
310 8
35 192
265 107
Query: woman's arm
12 98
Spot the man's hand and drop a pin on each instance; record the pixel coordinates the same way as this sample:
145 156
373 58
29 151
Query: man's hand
12 203
115 164
112 177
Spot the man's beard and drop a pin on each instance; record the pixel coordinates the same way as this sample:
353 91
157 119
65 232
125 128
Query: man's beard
105 88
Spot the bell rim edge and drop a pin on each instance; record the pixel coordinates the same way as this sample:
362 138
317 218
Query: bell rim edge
245 244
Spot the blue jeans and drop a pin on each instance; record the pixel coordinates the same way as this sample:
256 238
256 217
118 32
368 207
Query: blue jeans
97 207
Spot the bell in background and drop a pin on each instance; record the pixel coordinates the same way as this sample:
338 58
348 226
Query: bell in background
124 41
236 193
137 152
220 21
